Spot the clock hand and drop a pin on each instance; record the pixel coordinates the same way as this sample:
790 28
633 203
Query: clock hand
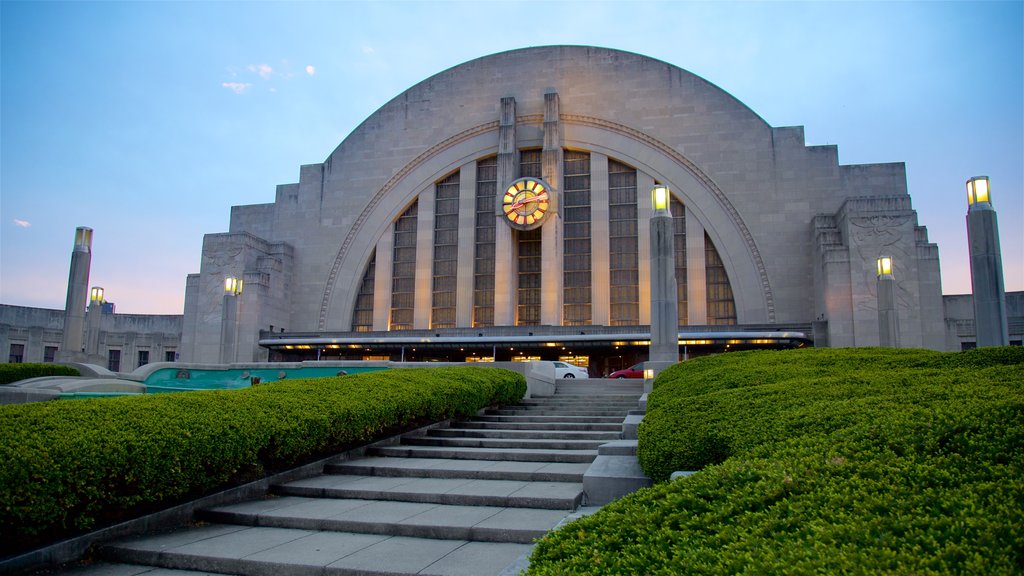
537 198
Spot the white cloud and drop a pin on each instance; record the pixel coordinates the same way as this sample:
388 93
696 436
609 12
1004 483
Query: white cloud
22 223
263 70
236 87
310 70
368 50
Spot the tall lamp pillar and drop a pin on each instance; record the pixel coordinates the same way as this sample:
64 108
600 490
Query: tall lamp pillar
229 320
664 349
93 323
990 321
72 344
888 326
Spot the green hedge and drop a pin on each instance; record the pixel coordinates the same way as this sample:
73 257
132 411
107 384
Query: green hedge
820 461
69 467
22 371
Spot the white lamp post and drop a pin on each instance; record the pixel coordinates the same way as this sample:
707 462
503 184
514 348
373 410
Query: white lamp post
229 320
888 325
991 327
664 348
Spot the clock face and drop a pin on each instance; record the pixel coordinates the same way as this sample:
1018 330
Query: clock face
525 203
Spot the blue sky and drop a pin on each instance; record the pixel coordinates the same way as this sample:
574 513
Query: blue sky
147 121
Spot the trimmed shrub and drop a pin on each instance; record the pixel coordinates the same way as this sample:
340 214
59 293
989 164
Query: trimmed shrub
23 371
70 467
820 461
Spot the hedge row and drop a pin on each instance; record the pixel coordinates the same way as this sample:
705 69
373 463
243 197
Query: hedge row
22 371
820 461
69 467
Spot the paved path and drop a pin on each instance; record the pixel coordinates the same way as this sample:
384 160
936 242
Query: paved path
464 500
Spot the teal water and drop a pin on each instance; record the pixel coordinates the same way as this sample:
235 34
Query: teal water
175 380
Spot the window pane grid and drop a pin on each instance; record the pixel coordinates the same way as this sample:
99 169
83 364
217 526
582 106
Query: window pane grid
362 314
446 252
679 225
483 263
721 306
623 257
403 270
576 253
528 291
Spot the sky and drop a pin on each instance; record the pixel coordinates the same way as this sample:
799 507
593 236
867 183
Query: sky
147 121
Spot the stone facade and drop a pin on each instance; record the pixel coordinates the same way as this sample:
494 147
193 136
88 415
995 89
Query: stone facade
35 330
797 233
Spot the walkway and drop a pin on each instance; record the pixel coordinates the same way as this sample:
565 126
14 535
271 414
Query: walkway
464 500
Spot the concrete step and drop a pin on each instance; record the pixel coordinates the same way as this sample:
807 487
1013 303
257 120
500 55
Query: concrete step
586 400
508 454
414 519
587 392
552 426
472 469
553 412
453 491
463 442
260 551
525 434
550 418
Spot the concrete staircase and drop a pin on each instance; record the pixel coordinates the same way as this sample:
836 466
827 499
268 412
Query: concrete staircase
467 499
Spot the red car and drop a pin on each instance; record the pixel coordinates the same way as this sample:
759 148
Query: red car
634 371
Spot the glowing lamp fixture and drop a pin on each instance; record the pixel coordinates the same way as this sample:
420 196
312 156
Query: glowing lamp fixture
884 265
96 295
233 285
977 190
648 373
660 196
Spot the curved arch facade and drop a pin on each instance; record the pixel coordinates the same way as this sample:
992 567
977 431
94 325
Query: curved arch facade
780 216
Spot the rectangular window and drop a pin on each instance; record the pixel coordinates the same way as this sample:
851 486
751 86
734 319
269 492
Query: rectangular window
143 358
170 356
17 354
679 225
114 360
576 273
528 293
530 163
446 252
623 257
49 353
403 270
483 262
528 253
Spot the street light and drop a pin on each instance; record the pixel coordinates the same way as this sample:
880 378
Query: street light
229 320
660 197
96 295
990 323
233 285
977 190
664 347
888 326
884 265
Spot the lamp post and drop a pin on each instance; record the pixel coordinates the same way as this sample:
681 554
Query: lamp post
888 325
93 323
229 320
664 348
990 323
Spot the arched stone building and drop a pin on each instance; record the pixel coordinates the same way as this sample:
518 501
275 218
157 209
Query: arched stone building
399 240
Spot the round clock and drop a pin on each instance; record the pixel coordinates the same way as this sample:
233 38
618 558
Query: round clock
525 203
